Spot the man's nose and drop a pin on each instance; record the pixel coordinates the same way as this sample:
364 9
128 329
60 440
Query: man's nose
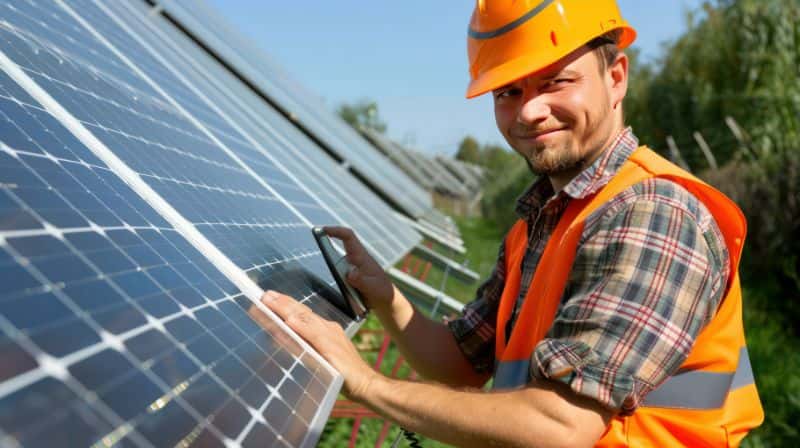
533 109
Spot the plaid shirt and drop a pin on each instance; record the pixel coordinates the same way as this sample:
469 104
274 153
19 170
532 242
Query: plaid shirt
650 270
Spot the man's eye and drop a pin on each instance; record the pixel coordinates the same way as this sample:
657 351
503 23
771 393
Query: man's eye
508 93
555 82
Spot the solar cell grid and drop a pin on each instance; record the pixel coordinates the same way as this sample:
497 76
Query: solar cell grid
277 178
74 39
121 305
222 130
186 165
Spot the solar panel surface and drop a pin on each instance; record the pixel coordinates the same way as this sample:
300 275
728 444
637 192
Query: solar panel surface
461 171
114 328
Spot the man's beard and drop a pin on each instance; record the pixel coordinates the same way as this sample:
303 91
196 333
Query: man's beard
552 161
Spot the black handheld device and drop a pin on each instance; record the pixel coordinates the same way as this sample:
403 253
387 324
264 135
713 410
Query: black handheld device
339 267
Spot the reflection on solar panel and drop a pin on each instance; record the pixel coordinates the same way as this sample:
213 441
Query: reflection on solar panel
307 109
251 221
146 199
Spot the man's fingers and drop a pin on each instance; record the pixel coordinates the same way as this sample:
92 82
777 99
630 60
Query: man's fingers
343 233
351 243
286 307
354 277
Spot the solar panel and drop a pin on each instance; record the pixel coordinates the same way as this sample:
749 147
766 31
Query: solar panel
441 178
462 172
399 157
447 177
131 206
114 328
307 109
424 177
253 152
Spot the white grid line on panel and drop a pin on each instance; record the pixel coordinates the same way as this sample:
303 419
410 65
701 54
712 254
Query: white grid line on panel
180 108
109 341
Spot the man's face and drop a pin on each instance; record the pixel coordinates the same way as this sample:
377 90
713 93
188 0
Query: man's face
562 117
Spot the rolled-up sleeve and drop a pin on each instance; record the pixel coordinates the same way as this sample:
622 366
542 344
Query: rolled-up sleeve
647 278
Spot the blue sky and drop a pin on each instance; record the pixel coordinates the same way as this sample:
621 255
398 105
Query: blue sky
408 56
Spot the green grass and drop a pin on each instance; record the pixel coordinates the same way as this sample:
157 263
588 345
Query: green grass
482 239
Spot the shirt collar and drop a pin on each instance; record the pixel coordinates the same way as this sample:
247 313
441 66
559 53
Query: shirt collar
593 178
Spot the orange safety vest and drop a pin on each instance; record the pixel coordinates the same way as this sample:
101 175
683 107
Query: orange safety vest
712 399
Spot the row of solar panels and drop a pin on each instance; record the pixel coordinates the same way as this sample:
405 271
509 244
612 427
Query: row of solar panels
153 182
441 174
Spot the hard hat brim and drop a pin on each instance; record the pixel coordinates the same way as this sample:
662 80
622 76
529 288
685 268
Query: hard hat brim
522 67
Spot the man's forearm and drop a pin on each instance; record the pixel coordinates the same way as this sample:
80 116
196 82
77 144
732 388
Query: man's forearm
546 414
428 346
531 417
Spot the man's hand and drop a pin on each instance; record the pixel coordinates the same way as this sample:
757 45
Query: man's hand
367 276
427 345
326 337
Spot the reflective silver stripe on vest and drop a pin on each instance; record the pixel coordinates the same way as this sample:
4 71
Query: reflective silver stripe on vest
506 28
744 371
701 390
690 389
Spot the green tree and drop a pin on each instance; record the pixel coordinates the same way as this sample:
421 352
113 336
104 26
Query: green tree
496 158
362 114
741 59
469 150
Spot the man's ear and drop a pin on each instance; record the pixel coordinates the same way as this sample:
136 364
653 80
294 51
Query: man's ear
618 79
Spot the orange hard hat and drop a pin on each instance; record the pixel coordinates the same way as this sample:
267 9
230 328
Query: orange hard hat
510 39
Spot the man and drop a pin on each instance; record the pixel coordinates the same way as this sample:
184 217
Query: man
613 316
